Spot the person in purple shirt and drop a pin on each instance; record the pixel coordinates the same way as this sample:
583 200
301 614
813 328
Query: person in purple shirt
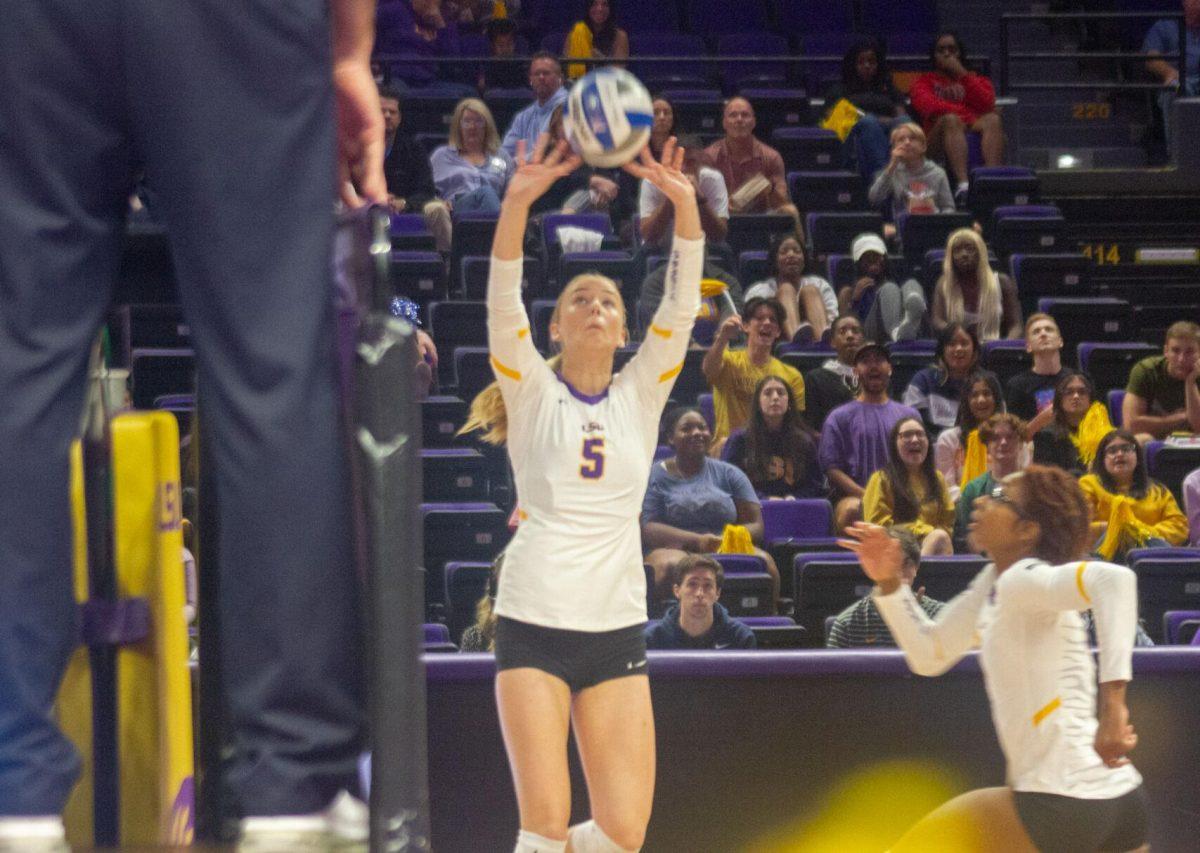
417 28
854 440
1191 506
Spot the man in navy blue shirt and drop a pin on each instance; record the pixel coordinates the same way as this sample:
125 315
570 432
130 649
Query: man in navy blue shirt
698 621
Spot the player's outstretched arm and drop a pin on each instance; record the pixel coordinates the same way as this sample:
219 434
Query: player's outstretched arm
535 173
667 175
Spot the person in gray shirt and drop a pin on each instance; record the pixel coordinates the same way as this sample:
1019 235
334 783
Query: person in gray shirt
910 182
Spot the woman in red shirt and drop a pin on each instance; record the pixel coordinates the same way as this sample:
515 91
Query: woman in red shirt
950 100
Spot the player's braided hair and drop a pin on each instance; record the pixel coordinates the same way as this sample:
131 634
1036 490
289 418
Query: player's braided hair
1052 497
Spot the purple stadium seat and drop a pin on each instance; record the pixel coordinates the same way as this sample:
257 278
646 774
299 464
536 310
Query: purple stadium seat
921 232
435 632
420 276
752 267
616 265
663 75
819 191
663 451
473 274
885 16
704 402
159 371
805 357
726 456
768 621
806 16
713 18
472 370
946 576
453 325
1037 231
1173 621
1116 402
1038 275
453 474
741 564
1108 364
551 222
797 518
1094 318
465 584
740 74
776 108
452 532
753 231
834 232
1006 358
997 186
696 110
472 235
808 148
649 17
441 418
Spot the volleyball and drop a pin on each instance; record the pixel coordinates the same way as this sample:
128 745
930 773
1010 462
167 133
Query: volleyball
609 114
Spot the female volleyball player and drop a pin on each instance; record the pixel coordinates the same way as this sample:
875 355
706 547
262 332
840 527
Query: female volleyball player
572 603
1070 786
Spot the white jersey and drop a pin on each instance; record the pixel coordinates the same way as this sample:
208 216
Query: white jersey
582 463
1037 667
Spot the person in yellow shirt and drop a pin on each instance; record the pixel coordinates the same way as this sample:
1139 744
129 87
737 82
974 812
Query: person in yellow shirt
734 374
909 493
1129 510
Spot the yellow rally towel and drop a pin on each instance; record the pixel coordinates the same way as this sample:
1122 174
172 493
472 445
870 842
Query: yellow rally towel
579 44
710 290
1120 513
841 118
499 10
974 458
736 540
1094 426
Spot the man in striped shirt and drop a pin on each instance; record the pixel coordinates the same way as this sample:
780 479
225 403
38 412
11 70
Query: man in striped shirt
860 624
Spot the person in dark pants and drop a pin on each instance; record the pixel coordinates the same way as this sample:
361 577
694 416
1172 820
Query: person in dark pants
230 108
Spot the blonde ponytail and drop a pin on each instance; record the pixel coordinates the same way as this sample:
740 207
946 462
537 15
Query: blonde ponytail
488 411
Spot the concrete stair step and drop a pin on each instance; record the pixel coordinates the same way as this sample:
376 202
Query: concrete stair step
1113 157
1081 134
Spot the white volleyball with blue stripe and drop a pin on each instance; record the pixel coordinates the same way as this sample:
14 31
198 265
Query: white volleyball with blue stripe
608 119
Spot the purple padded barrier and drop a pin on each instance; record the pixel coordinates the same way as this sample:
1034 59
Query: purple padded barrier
768 621
741 564
1116 401
1173 620
408 223
1136 554
794 519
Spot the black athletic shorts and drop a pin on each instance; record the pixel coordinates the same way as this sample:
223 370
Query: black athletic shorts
580 658
1059 824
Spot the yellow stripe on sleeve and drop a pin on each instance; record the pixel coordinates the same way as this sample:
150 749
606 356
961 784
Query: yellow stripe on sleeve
1050 707
1079 582
672 373
661 332
505 371
522 333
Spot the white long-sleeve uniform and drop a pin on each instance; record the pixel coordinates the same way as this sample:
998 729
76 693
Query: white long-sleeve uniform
1037 667
582 463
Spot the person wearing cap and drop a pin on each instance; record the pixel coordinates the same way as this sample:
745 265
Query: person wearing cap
888 311
854 439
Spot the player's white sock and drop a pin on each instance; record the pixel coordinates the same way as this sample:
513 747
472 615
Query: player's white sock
531 842
590 838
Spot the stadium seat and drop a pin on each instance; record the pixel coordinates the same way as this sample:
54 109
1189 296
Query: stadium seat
473 276
506 103
768 621
1168 579
787 521
837 191
831 45
618 266
1097 318
1170 463
158 371
713 18
806 16
806 358
886 16
704 402
696 110
908 357
747 594
410 233
465 583
145 326
473 233
474 532
419 276
753 231
826 587
1108 364
453 475
1179 626
428 113
776 108
752 267
1028 234
601 223
738 75
1038 275
436 638
665 75
995 186
648 17
540 313
690 383
839 269
441 419
1006 358
833 232
946 576
1116 400
453 325
920 233
807 148
472 370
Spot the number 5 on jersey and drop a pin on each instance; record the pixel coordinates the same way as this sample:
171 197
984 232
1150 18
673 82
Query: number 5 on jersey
593 459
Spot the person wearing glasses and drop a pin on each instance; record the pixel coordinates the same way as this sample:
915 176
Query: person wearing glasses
1129 510
1080 421
1069 783
908 493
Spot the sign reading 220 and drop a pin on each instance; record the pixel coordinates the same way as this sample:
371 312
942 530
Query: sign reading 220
593 459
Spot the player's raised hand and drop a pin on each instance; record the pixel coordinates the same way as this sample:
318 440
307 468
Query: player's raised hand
878 553
666 173
537 171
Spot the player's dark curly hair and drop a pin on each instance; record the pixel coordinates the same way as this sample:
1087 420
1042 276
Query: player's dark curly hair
1052 497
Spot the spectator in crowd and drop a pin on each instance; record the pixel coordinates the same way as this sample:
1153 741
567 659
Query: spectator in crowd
1163 39
481 636
888 311
664 124
656 214
1129 509
1030 393
855 437
691 499
416 28
860 624
585 190
909 493
969 291
597 36
1080 421
808 299
753 171
777 450
935 391
698 620
502 44
1162 395
959 452
661 130
471 15
408 174
911 183
734 374
866 82
472 170
546 80
951 99
1003 434
835 382
1191 503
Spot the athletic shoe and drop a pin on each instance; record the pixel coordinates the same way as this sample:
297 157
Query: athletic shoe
960 197
342 827
348 822
40 834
